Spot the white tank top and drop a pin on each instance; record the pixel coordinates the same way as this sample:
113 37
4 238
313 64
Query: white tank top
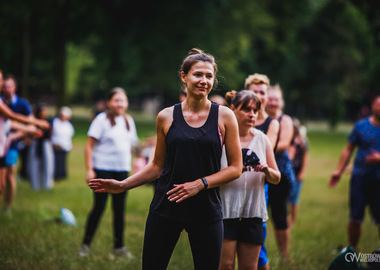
5 126
245 196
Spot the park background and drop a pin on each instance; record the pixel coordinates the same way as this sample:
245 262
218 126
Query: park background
324 54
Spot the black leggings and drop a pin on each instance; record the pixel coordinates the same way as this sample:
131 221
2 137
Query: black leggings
118 207
161 236
278 196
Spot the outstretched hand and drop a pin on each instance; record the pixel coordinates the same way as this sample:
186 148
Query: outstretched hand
334 179
183 191
106 185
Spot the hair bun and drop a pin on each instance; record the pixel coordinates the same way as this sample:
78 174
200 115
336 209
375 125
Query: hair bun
195 51
229 96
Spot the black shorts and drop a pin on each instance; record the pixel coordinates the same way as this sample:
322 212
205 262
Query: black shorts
2 162
247 230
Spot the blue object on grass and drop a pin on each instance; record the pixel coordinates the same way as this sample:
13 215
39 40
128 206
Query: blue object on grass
68 217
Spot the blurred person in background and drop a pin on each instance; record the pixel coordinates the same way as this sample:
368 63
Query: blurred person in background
279 194
41 156
243 200
365 177
11 120
218 100
259 84
62 133
21 106
298 154
108 153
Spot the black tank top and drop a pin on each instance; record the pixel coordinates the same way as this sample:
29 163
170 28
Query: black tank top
265 126
191 153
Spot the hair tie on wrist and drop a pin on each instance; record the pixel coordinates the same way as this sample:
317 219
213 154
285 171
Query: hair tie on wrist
204 182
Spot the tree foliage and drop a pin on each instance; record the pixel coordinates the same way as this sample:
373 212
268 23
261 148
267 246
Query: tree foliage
324 54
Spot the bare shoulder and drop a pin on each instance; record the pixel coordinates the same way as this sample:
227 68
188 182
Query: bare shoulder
165 118
226 113
287 120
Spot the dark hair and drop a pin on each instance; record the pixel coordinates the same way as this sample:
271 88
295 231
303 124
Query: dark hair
114 91
242 98
196 55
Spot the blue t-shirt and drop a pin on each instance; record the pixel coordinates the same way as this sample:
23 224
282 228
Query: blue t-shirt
367 138
21 106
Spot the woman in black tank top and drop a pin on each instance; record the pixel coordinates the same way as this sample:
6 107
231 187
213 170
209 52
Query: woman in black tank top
186 165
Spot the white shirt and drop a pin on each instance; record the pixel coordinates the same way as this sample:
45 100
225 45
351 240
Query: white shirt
245 196
113 150
62 133
5 141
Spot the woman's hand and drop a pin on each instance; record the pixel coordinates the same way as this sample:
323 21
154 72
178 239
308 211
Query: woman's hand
106 185
90 175
181 192
261 168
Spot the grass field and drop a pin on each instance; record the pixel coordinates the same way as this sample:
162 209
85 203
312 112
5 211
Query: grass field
29 239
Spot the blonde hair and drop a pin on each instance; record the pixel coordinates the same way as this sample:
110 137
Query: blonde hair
256 78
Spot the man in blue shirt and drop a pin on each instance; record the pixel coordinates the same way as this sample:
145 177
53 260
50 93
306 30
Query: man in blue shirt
18 105
365 179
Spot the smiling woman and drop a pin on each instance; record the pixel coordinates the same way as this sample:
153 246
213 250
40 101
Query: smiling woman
187 167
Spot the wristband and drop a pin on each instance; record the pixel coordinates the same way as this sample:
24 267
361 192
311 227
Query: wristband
204 182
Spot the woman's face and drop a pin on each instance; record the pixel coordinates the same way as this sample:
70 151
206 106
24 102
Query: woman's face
261 91
246 117
200 79
274 102
118 104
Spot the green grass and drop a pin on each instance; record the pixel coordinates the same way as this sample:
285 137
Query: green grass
30 240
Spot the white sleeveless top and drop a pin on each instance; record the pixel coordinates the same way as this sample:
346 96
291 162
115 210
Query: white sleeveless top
245 196
5 126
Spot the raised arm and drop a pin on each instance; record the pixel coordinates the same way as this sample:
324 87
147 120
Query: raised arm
4 110
230 133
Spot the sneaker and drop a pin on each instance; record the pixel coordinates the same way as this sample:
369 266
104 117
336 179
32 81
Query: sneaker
84 250
122 252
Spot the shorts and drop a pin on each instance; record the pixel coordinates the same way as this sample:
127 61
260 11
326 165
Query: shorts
2 162
11 157
364 190
247 230
295 192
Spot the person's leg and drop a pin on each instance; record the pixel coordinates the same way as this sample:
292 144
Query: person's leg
100 200
48 165
227 260
2 178
10 187
278 198
358 203
161 236
248 255
354 233
118 207
250 239
206 241
294 202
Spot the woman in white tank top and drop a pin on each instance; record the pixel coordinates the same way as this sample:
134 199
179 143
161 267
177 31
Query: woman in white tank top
243 200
